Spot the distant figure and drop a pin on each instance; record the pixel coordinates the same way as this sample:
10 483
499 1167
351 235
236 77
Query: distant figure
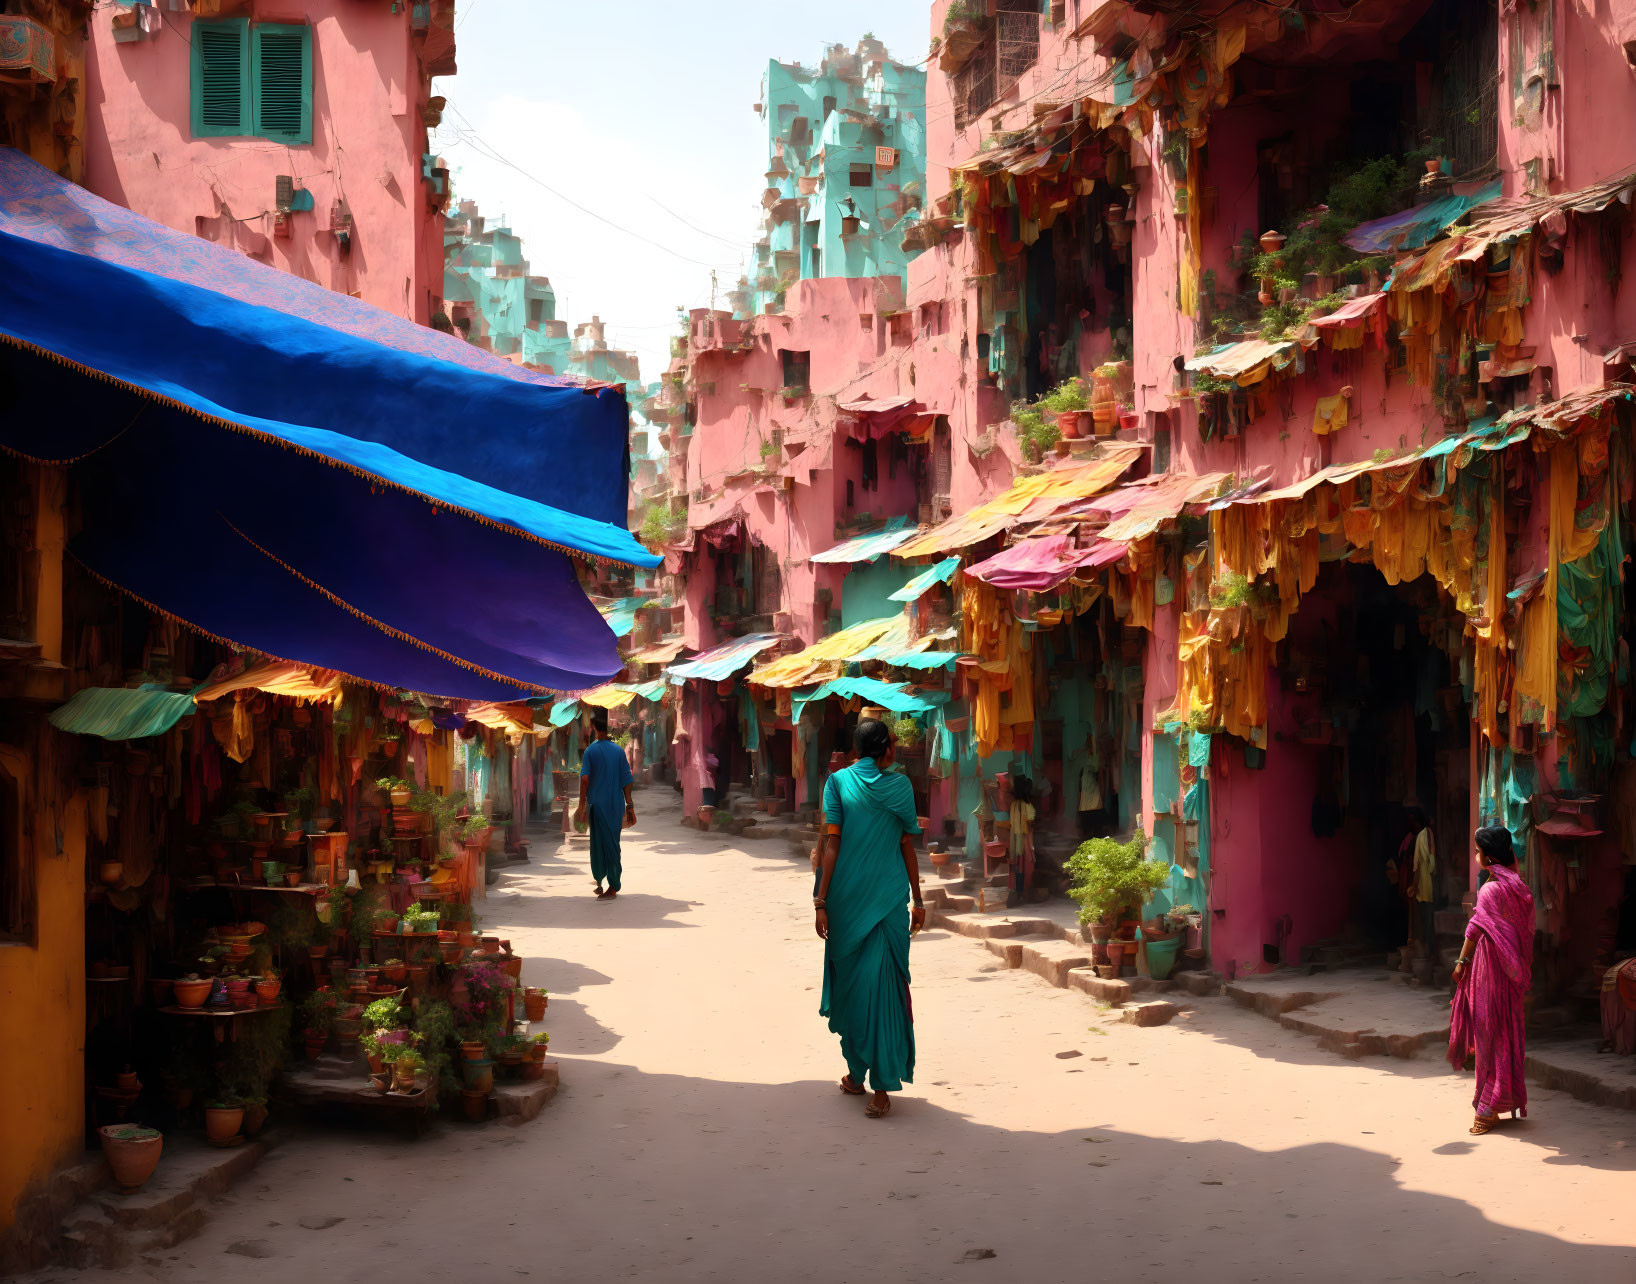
869 871
603 776
1490 978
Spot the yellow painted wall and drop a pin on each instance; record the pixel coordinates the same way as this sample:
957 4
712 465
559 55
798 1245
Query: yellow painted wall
42 1005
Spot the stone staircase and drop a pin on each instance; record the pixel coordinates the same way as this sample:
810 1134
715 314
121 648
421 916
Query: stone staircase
112 1231
1045 939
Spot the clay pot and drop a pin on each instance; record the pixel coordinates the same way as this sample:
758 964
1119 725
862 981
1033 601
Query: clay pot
381 1082
222 1123
128 1079
403 1078
417 977
389 749
317 953
400 797
513 967
472 1050
293 878
534 1004
533 1069
376 1065
395 971
474 1104
450 950
255 1115
132 1154
160 988
191 994
1272 241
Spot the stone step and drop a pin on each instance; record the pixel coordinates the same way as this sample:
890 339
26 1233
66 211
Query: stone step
984 926
111 1230
955 904
1085 979
1149 1012
519 1100
1054 959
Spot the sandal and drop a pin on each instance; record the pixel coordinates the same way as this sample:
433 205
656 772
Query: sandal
872 1111
1483 1124
849 1087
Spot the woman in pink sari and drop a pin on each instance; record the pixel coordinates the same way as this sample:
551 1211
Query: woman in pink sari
1492 975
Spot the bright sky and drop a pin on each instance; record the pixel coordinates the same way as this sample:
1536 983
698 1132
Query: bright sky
622 107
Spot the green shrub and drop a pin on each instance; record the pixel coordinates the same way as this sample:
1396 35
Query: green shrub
1110 879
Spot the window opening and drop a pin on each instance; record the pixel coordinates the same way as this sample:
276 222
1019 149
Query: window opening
863 176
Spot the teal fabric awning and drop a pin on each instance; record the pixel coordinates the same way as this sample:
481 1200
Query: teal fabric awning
564 713
895 696
866 548
122 713
722 662
928 579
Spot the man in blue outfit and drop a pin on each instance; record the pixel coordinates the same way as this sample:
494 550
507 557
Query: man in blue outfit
604 775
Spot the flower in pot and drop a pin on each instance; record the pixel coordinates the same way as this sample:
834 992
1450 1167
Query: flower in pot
267 987
132 1153
223 1118
1110 880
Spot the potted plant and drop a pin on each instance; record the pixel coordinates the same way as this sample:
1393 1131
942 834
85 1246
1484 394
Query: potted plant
478 1074
1110 880
223 1118
534 1001
405 1066
267 985
255 1115
399 790
191 990
132 1153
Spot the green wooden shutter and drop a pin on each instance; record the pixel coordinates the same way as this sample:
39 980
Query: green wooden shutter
281 70
221 78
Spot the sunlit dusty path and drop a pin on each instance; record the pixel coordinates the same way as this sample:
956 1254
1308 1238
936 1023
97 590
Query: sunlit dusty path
699 1135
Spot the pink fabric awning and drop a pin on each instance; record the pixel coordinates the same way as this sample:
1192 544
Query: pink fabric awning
1036 565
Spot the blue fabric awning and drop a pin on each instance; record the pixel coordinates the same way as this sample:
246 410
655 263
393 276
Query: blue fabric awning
932 576
122 713
297 473
866 548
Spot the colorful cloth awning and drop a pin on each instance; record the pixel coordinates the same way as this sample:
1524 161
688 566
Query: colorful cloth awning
825 656
1413 228
564 712
122 713
1029 499
927 580
866 548
621 615
1244 362
611 696
722 662
316 427
1038 565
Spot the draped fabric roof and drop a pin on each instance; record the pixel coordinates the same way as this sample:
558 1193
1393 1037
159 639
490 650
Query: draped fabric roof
1038 565
867 548
122 713
1028 499
920 585
722 662
302 474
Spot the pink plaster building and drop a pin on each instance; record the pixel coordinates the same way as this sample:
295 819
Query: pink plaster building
296 133
1371 507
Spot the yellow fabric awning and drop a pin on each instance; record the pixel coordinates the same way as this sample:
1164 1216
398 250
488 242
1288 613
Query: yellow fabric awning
608 696
663 653
824 658
1029 499
513 719
276 677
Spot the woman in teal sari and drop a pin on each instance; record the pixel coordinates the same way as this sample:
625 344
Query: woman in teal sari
868 872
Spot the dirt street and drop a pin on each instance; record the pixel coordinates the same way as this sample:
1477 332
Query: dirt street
699 1134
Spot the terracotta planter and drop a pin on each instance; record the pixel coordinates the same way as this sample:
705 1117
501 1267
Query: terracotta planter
474 1104
317 954
403 1078
191 994
533 1069
534 1006
315 1046
222 1123
513 967
417 977
160 987
472 1050
255 1115
132 1154
400 797
376 1065
450 951
479 1075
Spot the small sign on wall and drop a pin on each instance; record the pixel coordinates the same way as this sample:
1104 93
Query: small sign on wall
886 157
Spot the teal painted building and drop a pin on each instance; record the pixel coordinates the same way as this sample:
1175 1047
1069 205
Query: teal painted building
846 166
491 297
